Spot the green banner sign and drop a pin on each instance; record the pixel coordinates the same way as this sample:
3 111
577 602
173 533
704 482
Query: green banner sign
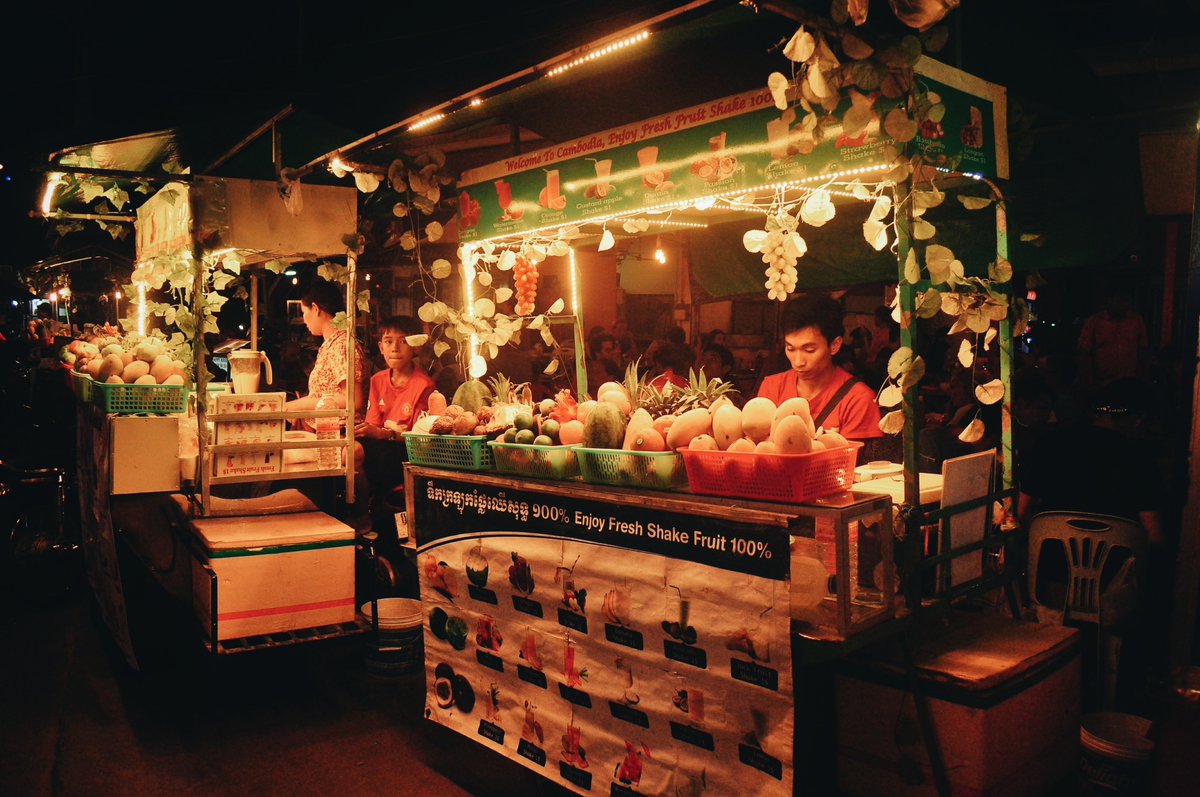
727 146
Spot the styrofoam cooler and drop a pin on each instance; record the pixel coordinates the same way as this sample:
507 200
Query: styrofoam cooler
274 573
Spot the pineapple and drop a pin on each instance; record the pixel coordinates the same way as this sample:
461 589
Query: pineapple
671 400
508 399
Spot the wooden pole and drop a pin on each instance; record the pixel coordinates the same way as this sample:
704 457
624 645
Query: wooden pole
254 311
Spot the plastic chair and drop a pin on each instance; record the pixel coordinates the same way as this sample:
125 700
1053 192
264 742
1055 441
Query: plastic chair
1096 592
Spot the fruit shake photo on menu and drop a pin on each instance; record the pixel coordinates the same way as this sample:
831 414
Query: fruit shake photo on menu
777 135
652 177
504 197
550 198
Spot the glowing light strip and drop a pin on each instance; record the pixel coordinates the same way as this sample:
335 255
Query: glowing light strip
427 121
684 204
689 224
468 275
600 52
574 282
52 182
141 317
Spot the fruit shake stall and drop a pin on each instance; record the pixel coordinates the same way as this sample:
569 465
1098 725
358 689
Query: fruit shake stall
147 429
698 595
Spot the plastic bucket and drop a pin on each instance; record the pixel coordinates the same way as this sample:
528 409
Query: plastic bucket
398 647
1115 753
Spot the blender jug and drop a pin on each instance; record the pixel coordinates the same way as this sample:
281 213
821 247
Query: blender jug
244 367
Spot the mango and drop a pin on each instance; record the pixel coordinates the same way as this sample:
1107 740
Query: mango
110 365
174 379
791 436
687 426
114 380
145 379
727 425
765 447
795 406
757 416
581 412
135 371
832 440
161 368
703 442
570 433
741 446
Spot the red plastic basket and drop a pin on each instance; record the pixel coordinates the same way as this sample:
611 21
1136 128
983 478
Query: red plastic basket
788 478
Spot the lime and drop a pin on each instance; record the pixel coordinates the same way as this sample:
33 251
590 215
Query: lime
542 440
510 435
550 428
525 437
523 421
546 406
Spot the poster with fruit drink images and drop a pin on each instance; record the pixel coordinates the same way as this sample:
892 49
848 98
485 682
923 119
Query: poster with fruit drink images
605 645
723 147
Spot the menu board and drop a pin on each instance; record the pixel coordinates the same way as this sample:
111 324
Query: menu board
613 648
723 147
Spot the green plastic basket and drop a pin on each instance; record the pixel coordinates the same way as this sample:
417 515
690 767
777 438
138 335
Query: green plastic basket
140 399
651 470
459 452
543 462
82 385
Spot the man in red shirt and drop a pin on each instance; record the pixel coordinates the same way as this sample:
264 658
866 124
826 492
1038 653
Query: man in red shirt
812 335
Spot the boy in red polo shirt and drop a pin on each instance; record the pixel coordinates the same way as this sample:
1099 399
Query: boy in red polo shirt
400 392
397 397
812 335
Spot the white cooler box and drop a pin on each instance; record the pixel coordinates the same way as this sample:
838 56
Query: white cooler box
274 573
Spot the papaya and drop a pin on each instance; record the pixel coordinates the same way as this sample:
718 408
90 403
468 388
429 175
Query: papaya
471 395
687 426
639 422
436 403
757 416
605 427
647 440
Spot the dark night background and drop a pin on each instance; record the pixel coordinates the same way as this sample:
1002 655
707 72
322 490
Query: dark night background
1083 78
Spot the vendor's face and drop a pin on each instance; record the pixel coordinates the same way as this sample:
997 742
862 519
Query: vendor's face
395 350
311 314
810 355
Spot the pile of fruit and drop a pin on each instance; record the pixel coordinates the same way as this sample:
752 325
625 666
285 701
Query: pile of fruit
636 416
133 360
759 427
472 411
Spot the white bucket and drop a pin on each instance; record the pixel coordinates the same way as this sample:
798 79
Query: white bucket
1115 754
398 648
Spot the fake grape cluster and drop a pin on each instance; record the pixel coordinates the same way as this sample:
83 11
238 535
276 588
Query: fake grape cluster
780 253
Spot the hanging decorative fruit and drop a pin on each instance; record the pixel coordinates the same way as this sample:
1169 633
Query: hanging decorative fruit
525 277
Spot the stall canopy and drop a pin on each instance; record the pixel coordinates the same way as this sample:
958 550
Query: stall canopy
692 56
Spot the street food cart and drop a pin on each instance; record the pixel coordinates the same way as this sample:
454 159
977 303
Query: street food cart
583 630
